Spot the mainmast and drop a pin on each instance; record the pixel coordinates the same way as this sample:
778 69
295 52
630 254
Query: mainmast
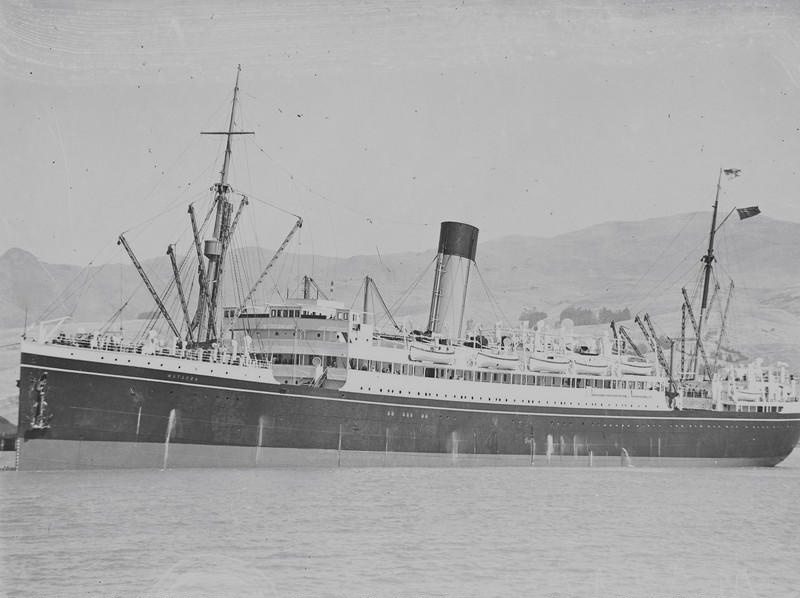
708 258
214 248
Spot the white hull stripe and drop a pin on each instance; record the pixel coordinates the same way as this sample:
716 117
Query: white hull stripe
415 406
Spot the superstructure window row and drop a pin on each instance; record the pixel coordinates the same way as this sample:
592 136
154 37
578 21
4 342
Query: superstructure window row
424 371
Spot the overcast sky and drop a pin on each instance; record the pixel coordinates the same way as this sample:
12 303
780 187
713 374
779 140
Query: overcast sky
375 121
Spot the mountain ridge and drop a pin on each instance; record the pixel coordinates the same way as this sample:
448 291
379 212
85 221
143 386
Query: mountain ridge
616 264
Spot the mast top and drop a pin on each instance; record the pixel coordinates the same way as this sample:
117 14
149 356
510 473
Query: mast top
222 186
708 258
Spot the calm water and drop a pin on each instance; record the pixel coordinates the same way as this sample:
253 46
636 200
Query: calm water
623 532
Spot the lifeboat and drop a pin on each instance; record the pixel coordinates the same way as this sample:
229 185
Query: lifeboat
589 362
637 366
745 394
440 354
542 361
496 360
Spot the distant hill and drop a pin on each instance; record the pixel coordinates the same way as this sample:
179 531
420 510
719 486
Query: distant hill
641 265
7 429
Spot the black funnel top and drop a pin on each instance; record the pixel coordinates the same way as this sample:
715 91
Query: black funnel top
457 238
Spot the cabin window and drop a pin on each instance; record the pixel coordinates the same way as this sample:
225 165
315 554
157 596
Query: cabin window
419 370
580 383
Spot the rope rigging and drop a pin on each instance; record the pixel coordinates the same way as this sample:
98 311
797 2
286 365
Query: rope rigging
492 301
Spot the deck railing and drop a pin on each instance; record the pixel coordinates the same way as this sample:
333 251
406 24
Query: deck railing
111 344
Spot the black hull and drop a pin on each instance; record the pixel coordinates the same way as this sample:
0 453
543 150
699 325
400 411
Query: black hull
108 415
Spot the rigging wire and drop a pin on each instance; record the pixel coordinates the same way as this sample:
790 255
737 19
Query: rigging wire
107 326
246 269
664 250
692 252
144 197
357 294
270 204
172 205
80 283
405 294
492 300
307 188
67 292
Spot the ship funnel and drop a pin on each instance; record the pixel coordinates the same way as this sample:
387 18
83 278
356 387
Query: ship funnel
457 245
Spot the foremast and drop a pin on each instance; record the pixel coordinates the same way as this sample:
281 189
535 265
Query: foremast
215 248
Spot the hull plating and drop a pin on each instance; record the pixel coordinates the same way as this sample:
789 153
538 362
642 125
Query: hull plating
103 415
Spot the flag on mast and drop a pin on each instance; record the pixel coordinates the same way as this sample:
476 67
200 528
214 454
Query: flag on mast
733 172
748 212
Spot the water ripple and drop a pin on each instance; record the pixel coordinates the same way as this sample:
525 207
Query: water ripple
401 532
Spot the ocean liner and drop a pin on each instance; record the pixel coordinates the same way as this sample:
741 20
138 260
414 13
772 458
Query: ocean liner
211 395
